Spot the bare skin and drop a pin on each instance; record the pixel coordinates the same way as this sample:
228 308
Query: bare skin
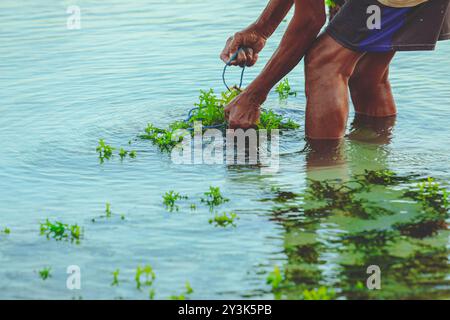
330 69
308 19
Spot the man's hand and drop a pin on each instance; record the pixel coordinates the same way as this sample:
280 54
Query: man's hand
250 40
243 111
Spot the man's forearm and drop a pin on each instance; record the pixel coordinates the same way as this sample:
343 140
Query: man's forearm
308 19
272 16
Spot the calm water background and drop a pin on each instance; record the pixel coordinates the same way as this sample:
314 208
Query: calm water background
143 61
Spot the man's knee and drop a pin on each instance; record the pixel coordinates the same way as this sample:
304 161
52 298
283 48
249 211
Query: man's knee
329 60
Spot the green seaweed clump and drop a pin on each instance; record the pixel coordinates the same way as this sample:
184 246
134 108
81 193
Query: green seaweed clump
61 231
186 294
323 293
431 195
284 89
210 112
6 230
224 220
214 198
170 198
115 274
45 273
148 274
105 151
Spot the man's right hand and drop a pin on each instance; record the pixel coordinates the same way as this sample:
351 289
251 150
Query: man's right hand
250 40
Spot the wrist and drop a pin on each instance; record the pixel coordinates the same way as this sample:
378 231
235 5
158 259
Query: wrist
260 30
256 93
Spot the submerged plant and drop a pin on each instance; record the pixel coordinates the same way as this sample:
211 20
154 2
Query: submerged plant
148 274
186 294
275 278
6 231
61 231
115 274
224 220
214 197
210 112
284 89
430 194
170 198
45 273
270 120
323 293
104 151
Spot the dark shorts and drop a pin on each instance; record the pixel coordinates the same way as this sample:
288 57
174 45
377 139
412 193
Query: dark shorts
401 29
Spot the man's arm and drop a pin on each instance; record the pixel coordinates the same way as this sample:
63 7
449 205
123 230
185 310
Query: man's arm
253 38
309 17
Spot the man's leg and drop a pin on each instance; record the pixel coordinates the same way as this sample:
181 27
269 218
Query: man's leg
328 67
370 88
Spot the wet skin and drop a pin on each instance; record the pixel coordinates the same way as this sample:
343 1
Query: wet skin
330 70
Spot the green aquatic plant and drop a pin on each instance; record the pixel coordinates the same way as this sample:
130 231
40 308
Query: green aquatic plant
6 230
132 154
214 198
284 89
170 198
270 120
430 194
330 3
123 153
224 220
45 273
108 211
115 274
148 274
108 214
188 291
164 139
380 177
322 293
210 112
61 231
274 278
104 151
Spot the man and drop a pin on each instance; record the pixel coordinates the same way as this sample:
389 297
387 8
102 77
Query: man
354 52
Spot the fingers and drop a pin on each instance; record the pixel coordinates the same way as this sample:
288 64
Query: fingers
245 57
225 55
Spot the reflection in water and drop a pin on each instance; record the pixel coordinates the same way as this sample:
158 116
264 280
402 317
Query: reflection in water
335 230
341 225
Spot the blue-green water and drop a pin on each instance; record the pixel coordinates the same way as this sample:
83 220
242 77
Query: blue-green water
145 61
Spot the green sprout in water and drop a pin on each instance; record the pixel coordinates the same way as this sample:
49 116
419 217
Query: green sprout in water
132 154
6 231
123 153
60 231
45 273
224 220
115 274
184 295
323 293
104 151
170 198
214 197
274 278
284 89
149 276
108 210
430 194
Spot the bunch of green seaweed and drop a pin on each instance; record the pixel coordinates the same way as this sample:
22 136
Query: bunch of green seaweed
210 112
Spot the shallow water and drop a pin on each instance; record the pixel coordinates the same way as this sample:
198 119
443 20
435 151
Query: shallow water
145 61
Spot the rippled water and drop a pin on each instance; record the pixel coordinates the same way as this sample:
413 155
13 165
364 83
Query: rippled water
145 61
